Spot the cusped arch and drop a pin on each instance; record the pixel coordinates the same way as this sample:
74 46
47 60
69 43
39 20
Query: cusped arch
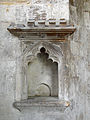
54 51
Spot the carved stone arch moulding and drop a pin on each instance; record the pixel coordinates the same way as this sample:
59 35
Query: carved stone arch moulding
54 51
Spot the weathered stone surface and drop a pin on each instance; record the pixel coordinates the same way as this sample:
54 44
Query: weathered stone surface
77 59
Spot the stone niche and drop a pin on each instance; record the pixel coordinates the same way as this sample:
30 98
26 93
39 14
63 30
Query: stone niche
41 64
42 76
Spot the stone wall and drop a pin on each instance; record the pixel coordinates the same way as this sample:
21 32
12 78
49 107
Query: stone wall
80 47
78 58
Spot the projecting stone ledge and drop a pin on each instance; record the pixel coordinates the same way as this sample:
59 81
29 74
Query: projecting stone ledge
61 105
42 30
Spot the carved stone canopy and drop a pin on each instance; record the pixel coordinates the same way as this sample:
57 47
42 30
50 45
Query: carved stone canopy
51 30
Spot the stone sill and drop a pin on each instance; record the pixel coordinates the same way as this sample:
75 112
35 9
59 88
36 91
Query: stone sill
41 102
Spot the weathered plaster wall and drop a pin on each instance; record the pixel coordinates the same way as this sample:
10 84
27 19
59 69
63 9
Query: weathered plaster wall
78 59
9 49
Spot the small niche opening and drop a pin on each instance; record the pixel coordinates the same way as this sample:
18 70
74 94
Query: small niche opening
42 76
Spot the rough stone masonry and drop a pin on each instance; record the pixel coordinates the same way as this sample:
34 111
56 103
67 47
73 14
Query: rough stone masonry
77 58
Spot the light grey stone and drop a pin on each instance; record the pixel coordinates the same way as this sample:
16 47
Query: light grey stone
76 51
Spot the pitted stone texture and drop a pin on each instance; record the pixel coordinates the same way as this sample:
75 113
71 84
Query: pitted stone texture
80 57
8 56
45 9
77 55
34 10
43 114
